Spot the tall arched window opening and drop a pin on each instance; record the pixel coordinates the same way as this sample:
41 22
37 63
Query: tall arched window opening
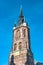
20 46
24 32
15 46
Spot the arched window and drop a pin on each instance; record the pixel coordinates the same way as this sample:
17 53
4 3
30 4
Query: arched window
20 46
24 32
12 58
17 34
26 44
15 46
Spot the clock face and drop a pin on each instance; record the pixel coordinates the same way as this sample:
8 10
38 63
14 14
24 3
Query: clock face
17 53
17 34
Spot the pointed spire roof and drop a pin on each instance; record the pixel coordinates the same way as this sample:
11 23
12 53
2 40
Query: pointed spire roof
21 17
21 13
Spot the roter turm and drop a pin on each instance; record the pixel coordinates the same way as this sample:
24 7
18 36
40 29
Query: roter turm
21 53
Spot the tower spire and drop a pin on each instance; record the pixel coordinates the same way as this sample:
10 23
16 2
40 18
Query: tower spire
21 14
21 17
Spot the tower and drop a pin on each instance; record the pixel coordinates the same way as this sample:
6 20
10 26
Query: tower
21 53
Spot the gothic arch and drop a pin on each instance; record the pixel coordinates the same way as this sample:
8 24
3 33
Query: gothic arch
20 45
15 46
24 32
12 60
18 33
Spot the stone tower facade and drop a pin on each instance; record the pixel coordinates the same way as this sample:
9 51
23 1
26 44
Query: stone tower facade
21 53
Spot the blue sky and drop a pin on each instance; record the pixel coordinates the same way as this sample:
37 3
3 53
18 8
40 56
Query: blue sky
9 12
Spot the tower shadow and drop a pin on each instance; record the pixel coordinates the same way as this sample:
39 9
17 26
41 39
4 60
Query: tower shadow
30 60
